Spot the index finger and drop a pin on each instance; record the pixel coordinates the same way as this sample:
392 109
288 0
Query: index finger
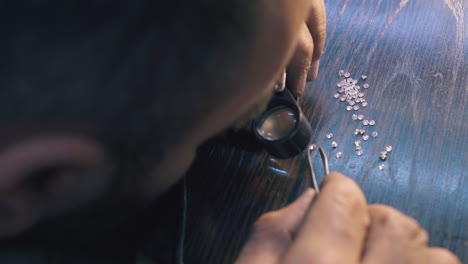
335 228
317 24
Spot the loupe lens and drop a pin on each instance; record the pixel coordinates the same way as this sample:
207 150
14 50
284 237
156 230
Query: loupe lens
278 123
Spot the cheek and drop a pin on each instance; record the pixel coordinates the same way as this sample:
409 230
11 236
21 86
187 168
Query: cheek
170 170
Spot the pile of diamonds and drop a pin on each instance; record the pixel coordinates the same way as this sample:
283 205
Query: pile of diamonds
350 92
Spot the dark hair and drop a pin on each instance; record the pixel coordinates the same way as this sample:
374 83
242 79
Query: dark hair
140 69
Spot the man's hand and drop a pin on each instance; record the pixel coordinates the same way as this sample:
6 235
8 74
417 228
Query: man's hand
339 227
305 62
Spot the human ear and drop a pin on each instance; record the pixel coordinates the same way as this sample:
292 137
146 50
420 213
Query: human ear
46 176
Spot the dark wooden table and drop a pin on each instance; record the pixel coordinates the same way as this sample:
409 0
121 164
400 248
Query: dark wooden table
414 54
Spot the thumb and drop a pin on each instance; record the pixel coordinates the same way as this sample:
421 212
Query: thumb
274 232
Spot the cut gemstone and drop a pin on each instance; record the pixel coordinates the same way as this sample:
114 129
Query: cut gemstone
365 137
358 148
356 132
354 117
337 95
363 77
375 134
371 122
365 122
329 135
357 142
334 144
359 152
381 167
356 107
383 157
360 117
343 98
366 86
362 131
349 108
347 74
349 80
351 103
388 148
339 155
341 73
313 147
361 94
364 104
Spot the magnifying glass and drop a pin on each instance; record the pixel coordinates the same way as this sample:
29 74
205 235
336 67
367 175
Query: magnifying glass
282 128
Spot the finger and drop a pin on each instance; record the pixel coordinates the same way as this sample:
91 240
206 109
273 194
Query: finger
274 231
317 24
441 256
300 62
393 237
281 83
335 227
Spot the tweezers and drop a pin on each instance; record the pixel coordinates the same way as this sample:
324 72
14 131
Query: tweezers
311 166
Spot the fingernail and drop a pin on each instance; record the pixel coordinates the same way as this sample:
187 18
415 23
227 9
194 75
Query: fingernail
313 71
281 84
301 84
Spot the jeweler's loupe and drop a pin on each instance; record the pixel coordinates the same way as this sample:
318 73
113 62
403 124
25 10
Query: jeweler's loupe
282 128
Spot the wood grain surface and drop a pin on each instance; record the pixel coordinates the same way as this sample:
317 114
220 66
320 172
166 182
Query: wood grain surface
414 54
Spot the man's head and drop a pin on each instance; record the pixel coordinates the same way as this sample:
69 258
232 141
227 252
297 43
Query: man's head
103 103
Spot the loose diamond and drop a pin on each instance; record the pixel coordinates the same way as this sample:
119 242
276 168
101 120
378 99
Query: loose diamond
364 104
356 107
339 155
341 73
313 147
361 94
343 98
388 148
381 167
383 153
349 108
363 77
371 122
329 135
360 117
354 117
354 81
357 142
359 152
356 132
365 137
365 122
375 134
365 86
351 103
334 144
349 80
383 157
347 74
362 131
337 95
358 148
